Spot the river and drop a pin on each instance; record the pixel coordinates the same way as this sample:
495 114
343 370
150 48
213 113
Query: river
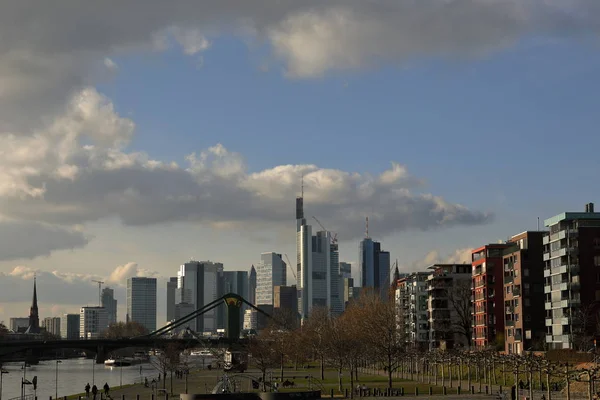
73 374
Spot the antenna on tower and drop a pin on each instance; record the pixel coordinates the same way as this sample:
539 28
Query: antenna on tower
302 187
367 227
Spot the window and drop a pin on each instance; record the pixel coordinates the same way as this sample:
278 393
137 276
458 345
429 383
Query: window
597 261
526 272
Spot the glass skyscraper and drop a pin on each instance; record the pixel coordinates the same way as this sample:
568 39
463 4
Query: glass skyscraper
141 301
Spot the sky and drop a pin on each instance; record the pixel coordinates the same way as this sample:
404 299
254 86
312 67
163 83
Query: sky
135 137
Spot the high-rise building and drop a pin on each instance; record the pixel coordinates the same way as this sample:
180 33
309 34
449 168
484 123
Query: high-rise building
198 285
109 302
233 282
345 269
488 299
411 299
449 306
34 319
69 326
141 301
252 286
524 293
52 325
270 272
19 324
250 320
304 259
285 301
171 288
374 265
93 321
572 277
347 290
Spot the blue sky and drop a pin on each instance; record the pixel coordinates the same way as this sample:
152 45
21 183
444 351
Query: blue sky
494 109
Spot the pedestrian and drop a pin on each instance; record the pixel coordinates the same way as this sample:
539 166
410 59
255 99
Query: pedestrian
87 390
106 389
145 381
94 392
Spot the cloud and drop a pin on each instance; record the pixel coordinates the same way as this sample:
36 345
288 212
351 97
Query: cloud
110 65
459 256
45 58
123 272
77 170
30 239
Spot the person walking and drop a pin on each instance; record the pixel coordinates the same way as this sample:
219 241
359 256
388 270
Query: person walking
106 389
94 392
87 390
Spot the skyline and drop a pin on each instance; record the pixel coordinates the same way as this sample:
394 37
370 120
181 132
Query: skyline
159 135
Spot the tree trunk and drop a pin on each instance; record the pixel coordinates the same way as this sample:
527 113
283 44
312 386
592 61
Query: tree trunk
322 368
340 378
590 389
352 368
171 381
389 371
548 391
264 380
282 366
568 382
530 379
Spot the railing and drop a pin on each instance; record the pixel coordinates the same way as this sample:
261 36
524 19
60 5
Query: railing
26 397
509 279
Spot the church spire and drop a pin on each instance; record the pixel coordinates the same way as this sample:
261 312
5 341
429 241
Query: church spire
34 318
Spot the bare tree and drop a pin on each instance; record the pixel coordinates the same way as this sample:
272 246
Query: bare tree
122 330
584 325
315 330
263 354
167 361
459 299
3 329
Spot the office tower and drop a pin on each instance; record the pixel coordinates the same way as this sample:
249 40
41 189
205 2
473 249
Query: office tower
285 304
347 290
449 309
572 277
488 299
19 324
69 326
171 288
52 325
93 321
345 269
334 296
252 286
110 304
374 265
270 272
304 267
198 285
250 320
141 301
411 299
34 319
524 293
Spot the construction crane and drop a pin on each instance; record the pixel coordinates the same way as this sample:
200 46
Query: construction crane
100 283
333 238
290 265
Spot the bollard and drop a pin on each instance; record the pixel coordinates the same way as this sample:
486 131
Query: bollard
331 393
416 391
152 396
402 391
166 396
65 398
137 397
346 393
500 390
472 389
487 391
122 397
444 391
430 390
458 390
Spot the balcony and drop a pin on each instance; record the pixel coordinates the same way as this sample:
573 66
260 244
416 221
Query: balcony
547 289
548 321
509 279
518 338
516 291
510 322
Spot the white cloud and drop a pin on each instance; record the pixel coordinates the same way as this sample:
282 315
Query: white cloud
44 60
459 256
121 273
110 65
76 170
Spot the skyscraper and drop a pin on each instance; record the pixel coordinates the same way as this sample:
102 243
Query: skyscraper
198 285
171 288
252 286
34 319
141 301
374 267
52 325
304 266
270 272
110 304
93 321
69 326
345 269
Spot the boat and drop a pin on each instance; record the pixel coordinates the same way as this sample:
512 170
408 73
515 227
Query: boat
201 353
120 362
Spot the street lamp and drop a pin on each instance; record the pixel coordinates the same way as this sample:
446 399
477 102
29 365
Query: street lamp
93 370
2 372
56 380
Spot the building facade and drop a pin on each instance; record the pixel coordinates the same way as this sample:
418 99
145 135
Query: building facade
234 282
109 302
411 300
69 326
252 286
171 288
572 278
449 306
345 269
198 285
250 320
270 272
52 325
285 301
93 321
488 299
19 324
374 265
523 292
141 301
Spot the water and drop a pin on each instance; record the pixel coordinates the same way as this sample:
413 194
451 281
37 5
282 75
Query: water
73 374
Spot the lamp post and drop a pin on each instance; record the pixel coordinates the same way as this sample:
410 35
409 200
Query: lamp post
2 372
121 367
56 380
93 370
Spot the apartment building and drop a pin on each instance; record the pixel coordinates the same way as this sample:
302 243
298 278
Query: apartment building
523 267
487 282
411 300
449 306
572 278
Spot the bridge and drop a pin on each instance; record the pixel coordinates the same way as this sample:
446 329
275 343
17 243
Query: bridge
33 349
